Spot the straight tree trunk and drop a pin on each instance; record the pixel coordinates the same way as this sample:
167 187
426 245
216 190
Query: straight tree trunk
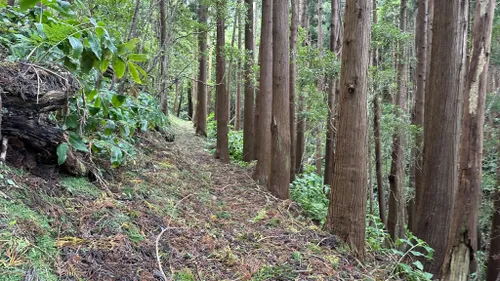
301 120
135 19
467 199
294 29
263 128
176 99
441 134
201 102
347 208
249 118
237 110
231 64
180 104
493 269
318 158
418 111
163 58
279 179
396 218
335 44
377 138
222 150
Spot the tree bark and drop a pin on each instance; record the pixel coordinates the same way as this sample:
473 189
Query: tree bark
301 120
135 19
279 180
347 208
231 64
222 150
237 110
249 118
201 101
418 110
263 128
396 218
467 200
377 139
294 28
335 44
320 87
163 58
441 134
181 96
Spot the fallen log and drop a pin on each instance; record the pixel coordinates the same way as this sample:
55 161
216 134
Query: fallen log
28 94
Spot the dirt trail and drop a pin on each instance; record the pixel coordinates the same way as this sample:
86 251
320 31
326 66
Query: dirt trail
220 224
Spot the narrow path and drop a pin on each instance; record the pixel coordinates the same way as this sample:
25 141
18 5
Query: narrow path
241 232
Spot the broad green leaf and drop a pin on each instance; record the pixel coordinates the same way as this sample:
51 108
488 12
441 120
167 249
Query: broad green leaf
110 127
97 102
417 254
91 95
119 67
103 66
95 45
116 156
138 57
86 62
27 4
72 121
128 46
40 29
76 45
118 100
132 68
94 110
77 142
418 265
62 153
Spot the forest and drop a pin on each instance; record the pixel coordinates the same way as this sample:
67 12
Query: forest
249 140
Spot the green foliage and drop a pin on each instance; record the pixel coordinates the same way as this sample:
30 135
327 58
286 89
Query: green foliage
309 192
101 120
280 272
235 141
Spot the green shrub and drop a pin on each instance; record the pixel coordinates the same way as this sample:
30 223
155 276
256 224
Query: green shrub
309 192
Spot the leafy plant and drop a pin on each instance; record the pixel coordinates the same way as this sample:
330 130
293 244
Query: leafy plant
309 192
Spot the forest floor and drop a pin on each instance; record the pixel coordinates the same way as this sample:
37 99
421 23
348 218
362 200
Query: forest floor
216 224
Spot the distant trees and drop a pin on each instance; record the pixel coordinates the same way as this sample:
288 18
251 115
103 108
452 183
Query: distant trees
347 210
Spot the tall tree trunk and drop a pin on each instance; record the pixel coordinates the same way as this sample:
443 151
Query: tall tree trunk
201 101
222 150
396 218
464 232
493 270
249 118
180 104
441 134
377 138
320 86
301 120
335 44
418 110
163 58
237 110
231 64
176 99
294 28
209 77
347 208
135 19
263 128
279 179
